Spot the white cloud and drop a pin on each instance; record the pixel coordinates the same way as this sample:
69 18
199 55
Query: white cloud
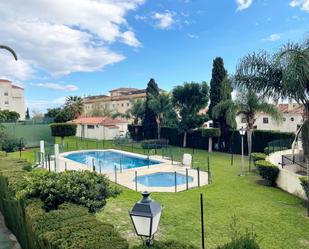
164 20
42 105
56 86
192 36
243 4
272 37
129 38
303 4
61 37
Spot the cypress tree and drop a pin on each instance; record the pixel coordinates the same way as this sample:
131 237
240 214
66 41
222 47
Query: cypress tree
149 121
27 114
218 74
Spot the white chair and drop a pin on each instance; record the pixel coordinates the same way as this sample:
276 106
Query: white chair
187 160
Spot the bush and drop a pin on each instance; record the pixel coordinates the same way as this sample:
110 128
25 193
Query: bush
2 154
167 245
267 171
258 156
214 132
271 149
305 184
154 143
83 188
10 144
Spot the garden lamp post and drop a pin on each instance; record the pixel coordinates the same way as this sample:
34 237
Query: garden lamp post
242 132
145 216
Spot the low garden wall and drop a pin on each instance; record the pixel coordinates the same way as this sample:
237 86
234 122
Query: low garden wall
287 179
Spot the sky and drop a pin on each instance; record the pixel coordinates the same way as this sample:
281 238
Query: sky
88 47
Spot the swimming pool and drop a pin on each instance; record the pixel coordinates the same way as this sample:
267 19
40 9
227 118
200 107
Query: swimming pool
107 161
163 179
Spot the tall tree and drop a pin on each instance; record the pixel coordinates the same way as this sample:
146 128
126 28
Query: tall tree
247 105
137 110
286 74
189 99
149 120
218 75
75 104
161 105
27 116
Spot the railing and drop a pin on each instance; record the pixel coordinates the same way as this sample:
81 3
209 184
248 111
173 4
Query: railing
297 159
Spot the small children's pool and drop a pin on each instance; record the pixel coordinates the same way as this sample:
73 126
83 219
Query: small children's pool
107 161
163 179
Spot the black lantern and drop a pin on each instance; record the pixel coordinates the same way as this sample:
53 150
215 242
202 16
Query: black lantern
145 216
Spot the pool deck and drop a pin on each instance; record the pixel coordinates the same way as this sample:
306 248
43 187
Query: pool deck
127 176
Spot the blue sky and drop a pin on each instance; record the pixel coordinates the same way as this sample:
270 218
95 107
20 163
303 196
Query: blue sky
99 45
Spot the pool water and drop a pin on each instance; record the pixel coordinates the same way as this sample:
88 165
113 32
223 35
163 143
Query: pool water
108 160
163 179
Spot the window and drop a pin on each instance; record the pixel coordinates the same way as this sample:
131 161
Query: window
265 120
90 126
243 120
284 119
6 94
292 119
6 102
122 104
128 104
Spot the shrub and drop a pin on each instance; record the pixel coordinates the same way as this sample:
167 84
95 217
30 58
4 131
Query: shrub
214 132
305 184
83 188
166 245
247 240
10 144
63 130
2 154
258 156
271 149
154 143
267 171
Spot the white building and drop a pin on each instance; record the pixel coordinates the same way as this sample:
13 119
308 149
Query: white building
102 128
292 119
12 98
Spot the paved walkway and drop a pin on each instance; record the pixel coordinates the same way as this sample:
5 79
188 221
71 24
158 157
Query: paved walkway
7 239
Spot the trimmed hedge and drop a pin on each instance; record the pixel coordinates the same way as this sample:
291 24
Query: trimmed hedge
258 156
305 184
214 132
267 171
63 129
154 143
231 139
70 226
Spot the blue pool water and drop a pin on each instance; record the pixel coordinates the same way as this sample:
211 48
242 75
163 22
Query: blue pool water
163 179
108 160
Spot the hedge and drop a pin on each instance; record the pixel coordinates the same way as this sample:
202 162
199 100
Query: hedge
154 143
256 156
231 139
267 171
305 184
167 245
63 129
214 132
70 226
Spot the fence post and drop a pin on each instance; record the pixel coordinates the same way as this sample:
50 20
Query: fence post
187 183
48 162
115 174
93 165
198 176
135 180
120 166
100 166
209 173
65 166
132 147
175 182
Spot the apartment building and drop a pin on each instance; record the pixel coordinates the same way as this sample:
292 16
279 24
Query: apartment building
12 98
118 100
292 119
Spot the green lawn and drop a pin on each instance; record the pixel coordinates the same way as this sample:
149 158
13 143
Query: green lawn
277 217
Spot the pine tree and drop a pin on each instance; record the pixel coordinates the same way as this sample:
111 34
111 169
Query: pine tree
149 121
27 114
218 75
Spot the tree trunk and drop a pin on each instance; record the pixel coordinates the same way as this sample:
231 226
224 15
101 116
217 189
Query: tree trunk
185 139
249 140
159 131
210 144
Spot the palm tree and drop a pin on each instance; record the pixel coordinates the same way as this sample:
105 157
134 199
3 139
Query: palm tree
10 50
75 104
161 105
248 106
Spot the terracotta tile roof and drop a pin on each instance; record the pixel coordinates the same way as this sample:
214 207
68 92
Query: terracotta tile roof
10 82
17 87
6 81
124 89
291 108
106 121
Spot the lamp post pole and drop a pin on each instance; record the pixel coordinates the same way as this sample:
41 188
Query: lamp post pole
242 132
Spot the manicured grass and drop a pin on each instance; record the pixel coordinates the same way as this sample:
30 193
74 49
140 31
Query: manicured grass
278 218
